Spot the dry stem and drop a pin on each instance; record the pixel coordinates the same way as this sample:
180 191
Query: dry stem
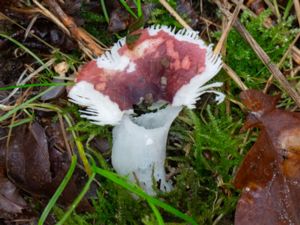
297 9
289 50
268 63
175 14
85 42
225 32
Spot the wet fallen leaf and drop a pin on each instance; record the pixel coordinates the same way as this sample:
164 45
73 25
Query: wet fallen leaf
56 92
38 167
27 159
257 6
11 202
270 174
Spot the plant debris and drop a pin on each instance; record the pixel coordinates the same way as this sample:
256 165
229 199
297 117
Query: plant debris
43 46
270 174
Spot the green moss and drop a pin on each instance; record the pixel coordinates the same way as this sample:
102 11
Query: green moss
205 147
274 40
96 25
159 15
203 186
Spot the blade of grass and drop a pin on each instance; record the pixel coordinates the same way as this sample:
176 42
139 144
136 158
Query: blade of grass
35 85
77 200
23 105
277 9
138 191
102 3
139 8
59 190
126 6
21 122
159 218
25 49
78 143
287 10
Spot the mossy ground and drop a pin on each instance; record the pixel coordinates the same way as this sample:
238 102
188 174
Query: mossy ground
205 146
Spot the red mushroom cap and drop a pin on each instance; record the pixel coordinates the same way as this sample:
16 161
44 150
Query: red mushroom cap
171 67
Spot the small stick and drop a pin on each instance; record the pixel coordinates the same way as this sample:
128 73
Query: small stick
243 7
268 63
63 130
268 84
225 33
48 14
175 14
265 59
296 54
297 9
234 77
272 7
86 43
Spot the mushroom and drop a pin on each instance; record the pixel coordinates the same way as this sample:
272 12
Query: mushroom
170 67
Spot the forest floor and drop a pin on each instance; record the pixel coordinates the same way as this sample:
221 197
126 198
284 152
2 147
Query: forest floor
55 166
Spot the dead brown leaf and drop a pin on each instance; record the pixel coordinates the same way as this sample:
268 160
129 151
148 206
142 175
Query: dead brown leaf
34 163
11 202
270 174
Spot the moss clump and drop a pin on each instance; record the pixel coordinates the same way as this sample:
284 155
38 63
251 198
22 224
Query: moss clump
274 40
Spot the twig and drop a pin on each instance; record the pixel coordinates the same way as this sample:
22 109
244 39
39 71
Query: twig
175 14
268 84
6 107
22 81
268 21
243 7
24 29
268 63
86 43
297 9
27 32
234 77
50 15
273 8
265 59
209 22
225 32
63 130
296 54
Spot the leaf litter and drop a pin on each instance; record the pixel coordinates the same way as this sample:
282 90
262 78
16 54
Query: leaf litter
270 173
36 164
35 160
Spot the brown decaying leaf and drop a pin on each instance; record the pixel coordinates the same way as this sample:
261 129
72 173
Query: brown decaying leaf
37 166
27 159
11 202
257 6
270 174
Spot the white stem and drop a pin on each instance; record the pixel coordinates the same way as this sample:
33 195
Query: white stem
139 148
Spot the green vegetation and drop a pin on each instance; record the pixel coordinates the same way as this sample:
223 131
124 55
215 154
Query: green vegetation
208 147
205 147
275 40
